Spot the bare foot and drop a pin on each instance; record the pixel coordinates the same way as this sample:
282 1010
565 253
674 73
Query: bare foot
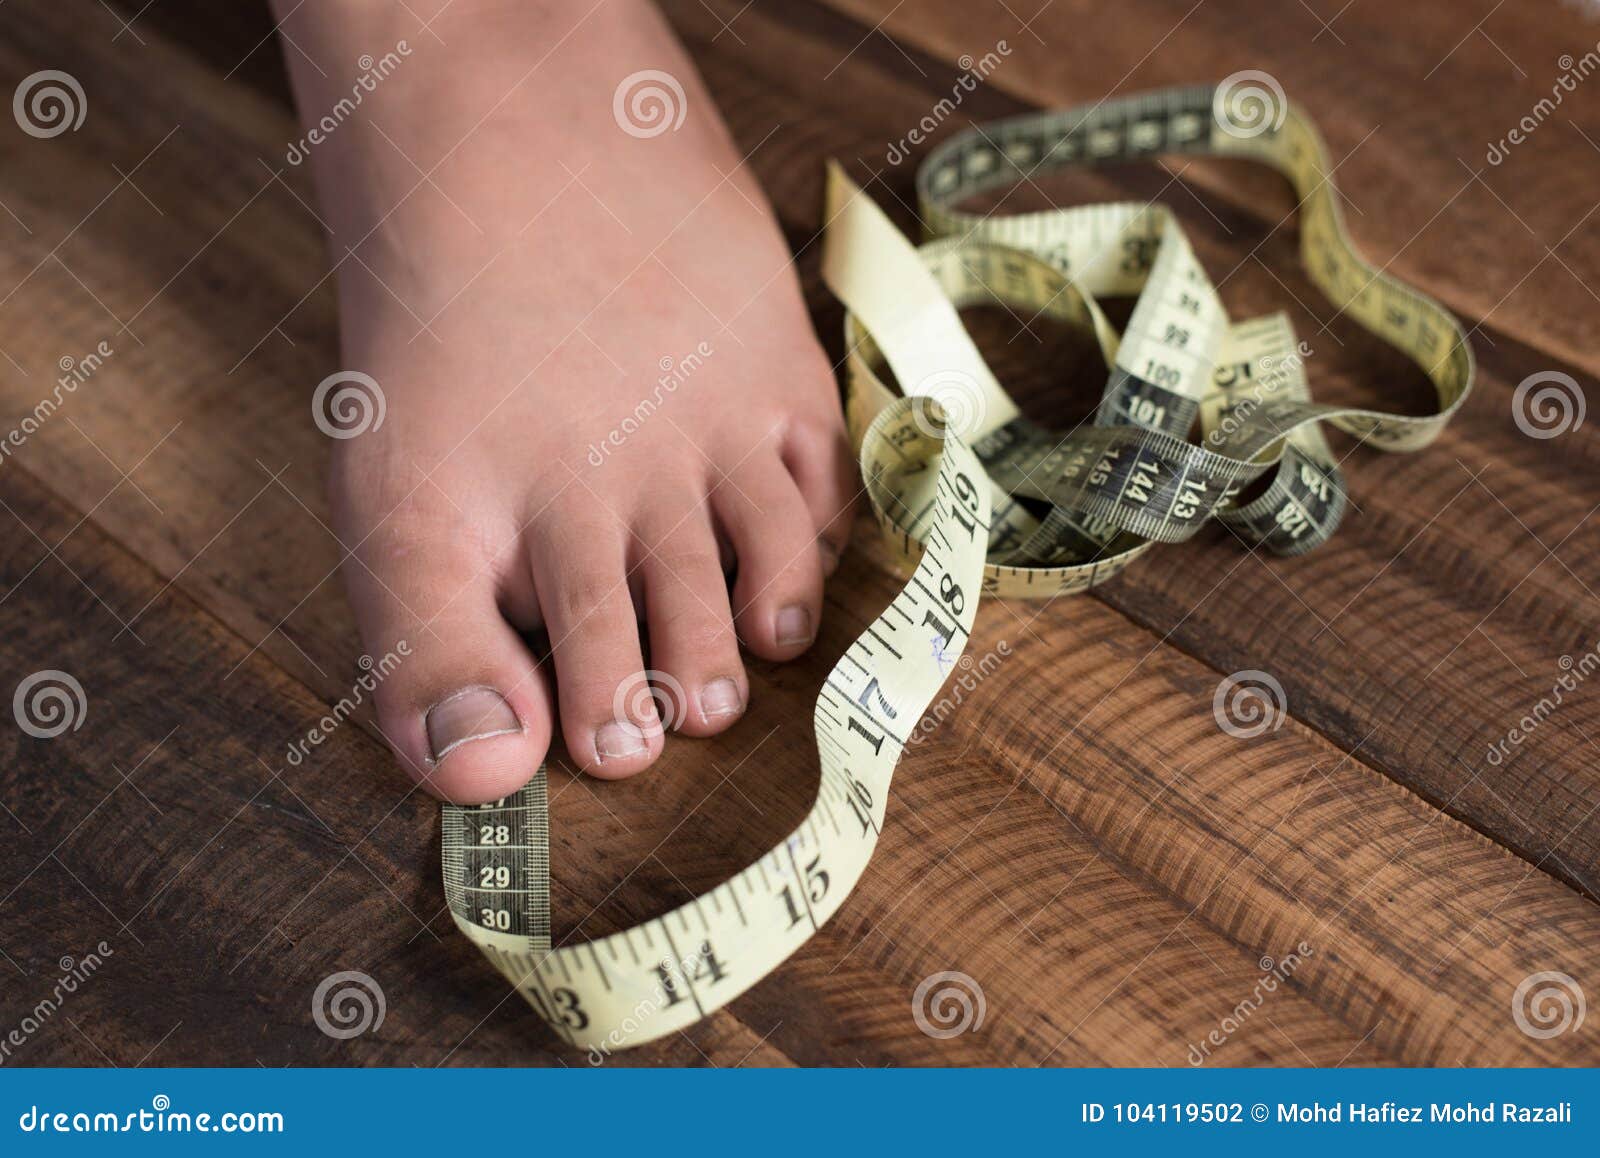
601 387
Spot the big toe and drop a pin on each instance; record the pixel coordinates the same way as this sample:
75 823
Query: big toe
465 707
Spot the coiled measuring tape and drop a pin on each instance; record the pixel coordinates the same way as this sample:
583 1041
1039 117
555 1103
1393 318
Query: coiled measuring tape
976 498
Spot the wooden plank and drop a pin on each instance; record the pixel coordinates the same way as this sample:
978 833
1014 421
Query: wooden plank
1268 843
226 884
1135 916
210 952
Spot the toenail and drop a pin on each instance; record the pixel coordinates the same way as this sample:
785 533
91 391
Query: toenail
830 556
618 740
794 625
720 698
471 714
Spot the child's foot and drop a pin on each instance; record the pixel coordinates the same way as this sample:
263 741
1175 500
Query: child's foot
600 388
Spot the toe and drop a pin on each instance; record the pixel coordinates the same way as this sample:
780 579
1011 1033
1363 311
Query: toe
700 683
819 459
777 597
608 716
458 693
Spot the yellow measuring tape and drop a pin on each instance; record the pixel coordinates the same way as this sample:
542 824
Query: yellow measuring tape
981 500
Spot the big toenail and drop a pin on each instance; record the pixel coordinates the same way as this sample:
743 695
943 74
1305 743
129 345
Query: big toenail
830 556
618 740
720 698
794 626
471 714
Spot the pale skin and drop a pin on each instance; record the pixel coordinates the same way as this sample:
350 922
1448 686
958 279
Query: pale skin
521 269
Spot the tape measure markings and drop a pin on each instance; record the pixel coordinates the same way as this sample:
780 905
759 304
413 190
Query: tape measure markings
1010 508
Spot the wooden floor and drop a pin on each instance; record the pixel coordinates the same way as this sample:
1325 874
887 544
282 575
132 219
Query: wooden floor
1079 838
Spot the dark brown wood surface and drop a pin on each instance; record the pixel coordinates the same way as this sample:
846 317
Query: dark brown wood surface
1079 837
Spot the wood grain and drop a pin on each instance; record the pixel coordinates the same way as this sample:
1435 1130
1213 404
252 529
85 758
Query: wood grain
1078 837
